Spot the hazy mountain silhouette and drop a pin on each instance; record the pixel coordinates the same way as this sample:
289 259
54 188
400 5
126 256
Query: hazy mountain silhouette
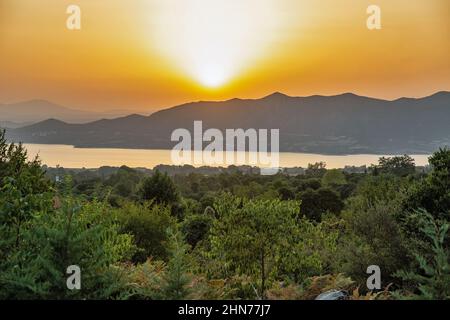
38 110
342 124
12 125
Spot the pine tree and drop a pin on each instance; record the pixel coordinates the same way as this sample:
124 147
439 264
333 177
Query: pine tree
41 238
177 278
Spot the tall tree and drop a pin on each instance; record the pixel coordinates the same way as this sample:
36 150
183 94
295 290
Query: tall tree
177 277
249 234
160 188
400 165
433 193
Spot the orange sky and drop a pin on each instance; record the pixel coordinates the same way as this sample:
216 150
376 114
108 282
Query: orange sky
142 55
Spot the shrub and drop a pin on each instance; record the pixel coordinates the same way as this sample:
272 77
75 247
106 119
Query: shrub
317 202
434 279
196 227
159 188
372 237
148 224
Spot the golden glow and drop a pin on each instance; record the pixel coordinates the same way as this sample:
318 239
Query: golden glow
213 41
143 55
212 74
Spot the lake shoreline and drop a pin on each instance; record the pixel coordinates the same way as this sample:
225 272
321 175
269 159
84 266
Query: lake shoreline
68 156
84 147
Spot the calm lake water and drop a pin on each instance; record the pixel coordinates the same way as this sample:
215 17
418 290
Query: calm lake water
70 157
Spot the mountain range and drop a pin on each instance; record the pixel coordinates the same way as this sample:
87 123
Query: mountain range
27 112
340 124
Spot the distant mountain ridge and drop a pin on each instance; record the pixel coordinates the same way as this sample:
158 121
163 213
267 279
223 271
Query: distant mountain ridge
12 125
33 111
341 124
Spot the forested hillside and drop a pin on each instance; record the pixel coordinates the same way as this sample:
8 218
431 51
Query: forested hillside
342 124
141 235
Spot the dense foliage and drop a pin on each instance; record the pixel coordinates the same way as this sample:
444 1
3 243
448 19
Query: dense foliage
137 234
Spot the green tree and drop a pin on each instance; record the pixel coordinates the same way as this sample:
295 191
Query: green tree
41 235
317 202
23 189
333 178
160 188
433 282
249 234
400 165
24 192
372 236
75 234
177 276
432 193
317 169
148 224
286 193
124 182
372 190
196 227
312 250
303 184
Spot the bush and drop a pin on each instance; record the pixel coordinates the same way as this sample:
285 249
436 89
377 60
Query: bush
311 252
196 227
315 203
148 224
433 193
144 281
372 237
433 281
158 280
333 178
159 188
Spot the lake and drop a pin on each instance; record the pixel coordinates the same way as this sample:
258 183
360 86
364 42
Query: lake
69 157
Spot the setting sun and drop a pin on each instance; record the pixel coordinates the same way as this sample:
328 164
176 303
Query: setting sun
150 54
212 76
213 41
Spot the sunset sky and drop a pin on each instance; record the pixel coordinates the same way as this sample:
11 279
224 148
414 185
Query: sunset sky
142 55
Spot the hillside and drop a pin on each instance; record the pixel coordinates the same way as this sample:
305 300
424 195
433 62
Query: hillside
39 110
342 124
